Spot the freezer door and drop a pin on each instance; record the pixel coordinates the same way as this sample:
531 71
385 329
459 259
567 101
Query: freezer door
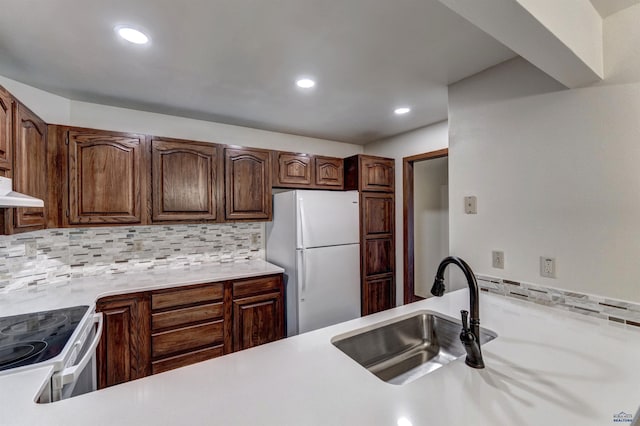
327 218
328 286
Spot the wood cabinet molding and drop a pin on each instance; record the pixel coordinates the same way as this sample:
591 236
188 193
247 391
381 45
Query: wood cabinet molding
185 181
107 178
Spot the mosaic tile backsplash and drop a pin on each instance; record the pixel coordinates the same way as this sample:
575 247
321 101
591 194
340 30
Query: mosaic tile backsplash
586 304
41 257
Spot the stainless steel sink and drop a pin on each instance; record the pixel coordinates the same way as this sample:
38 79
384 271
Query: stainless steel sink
400 351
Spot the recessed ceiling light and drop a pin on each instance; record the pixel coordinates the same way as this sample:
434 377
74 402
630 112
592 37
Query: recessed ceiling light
402 110
305 83
132 35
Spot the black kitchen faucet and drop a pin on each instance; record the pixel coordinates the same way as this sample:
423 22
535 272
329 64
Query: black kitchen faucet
470 336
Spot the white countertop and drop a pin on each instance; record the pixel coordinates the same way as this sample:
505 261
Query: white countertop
87 290
546 367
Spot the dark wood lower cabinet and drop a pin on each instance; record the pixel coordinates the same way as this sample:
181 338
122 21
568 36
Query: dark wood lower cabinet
379 294
152 332
124 350
257 320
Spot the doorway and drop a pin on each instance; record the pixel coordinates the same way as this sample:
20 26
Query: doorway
426 220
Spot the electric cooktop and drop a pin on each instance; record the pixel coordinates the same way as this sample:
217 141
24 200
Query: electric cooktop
33 338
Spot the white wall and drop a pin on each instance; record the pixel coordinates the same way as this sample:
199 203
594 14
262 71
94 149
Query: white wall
55 109
51 108
431 220
555 171
425 139
576 22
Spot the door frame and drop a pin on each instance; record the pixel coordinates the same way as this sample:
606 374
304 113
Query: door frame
408 217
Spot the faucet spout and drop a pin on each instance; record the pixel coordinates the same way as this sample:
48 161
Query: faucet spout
470 336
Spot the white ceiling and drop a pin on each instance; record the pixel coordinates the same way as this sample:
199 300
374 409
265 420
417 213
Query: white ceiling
609 7
235 61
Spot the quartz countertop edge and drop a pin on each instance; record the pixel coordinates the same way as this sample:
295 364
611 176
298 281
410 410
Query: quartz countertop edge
87 290
547 366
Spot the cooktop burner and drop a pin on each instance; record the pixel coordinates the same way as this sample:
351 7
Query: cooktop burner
32 338
30 325
16 352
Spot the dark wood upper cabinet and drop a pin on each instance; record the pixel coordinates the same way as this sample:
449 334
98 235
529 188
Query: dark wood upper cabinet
247 184
184 180
307 171
107 177
368 173
6 129
329 172
293 170
124 351
29 167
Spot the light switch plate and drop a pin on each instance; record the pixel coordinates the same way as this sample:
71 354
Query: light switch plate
470 205
497 259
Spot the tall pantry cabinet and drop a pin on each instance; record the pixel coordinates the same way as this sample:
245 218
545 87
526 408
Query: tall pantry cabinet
374 178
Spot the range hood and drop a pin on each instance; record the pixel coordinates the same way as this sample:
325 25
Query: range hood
8 198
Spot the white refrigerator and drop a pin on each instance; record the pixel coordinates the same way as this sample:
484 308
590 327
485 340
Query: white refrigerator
314 236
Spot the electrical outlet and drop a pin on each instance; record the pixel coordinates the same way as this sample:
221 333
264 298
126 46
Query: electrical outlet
254 239
138 245
470 205
31 249
498 259
547 267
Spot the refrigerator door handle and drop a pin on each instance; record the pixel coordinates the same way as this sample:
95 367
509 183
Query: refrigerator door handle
302 221
302 280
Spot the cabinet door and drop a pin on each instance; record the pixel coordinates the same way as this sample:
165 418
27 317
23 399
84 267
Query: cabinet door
377 214
30 167
184 181
6 129
329 172
376 174
123 353
293 169
377 218
105 177
247 184
257 320
378 294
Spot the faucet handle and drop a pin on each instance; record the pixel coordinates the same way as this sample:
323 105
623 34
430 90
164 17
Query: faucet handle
465 320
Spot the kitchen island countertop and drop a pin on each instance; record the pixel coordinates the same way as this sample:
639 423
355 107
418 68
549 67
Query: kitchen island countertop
546 367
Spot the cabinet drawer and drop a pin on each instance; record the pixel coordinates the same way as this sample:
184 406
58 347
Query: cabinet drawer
183 339
184 316
188 296
186 359
255 286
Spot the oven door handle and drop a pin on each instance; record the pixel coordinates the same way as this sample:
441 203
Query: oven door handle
71 374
